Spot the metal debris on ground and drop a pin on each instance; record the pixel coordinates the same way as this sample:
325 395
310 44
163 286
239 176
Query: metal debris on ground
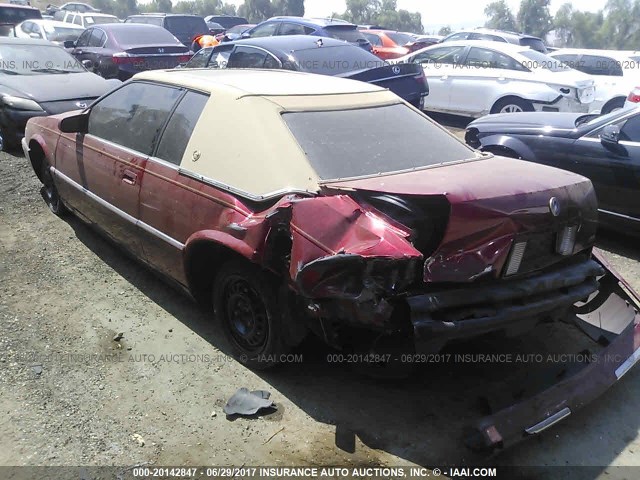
244 402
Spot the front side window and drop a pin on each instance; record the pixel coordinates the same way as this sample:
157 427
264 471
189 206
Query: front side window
266 30
374 39
485 58
247 57
358 147
180 127
630 131
83 39
446 55
133 115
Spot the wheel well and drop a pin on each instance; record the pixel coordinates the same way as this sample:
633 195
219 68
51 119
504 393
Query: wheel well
502 150
611 102
201 263
494 108
37 157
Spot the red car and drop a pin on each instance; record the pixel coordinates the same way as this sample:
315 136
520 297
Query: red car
294 215
388 44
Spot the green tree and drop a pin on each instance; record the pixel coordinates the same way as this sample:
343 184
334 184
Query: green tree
444 31
563 23
621 27
500 16
534 17
256 10
288 7
382 12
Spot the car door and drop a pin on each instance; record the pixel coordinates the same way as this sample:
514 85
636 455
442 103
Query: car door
82 44
615 173
170 202
94 48
102 169
485 76
439 65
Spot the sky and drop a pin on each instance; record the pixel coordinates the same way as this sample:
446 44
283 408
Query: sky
436 14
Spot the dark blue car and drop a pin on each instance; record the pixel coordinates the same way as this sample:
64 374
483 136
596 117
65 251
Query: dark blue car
319 27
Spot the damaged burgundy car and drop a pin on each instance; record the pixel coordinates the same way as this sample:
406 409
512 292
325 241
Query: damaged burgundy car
296 215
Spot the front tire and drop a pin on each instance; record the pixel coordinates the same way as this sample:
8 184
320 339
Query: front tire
512 105
245 302
50 192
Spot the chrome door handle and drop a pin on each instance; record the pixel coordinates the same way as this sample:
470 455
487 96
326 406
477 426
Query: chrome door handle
129 177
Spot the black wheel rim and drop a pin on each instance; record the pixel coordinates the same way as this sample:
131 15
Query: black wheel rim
246 315
51 195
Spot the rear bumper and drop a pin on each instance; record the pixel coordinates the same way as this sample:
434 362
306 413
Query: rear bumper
441 316
615 308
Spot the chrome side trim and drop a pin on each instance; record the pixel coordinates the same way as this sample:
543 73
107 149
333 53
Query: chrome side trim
619 215
627 364
548 422
122 214
25 148
236 191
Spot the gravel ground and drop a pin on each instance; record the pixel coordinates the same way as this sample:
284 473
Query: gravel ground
70 394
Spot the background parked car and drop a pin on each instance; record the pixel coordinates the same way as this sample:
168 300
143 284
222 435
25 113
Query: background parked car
491 35
422 41
86 20
43 80
319 27
59 12
479 77
615 73
605 149
235 32
52 30
12 15
120 50
184 27
227 21
325 56
215 28
388 44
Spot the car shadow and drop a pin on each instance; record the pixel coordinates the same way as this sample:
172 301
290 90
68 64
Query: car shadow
619 244
422 418
450 120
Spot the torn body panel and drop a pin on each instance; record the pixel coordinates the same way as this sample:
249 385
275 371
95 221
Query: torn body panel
612 316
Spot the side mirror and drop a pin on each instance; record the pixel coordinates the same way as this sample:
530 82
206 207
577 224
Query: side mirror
610 138
245 35
69 44
88 64
75 123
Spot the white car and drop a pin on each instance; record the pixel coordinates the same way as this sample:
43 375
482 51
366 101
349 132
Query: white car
615 73
52 30
86 20
474 78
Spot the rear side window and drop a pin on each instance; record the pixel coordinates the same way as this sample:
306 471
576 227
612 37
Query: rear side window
179 129
265 30
598 65
133 115
374 39
485 58
97 38
359 147
630 131
446 55
248 57
294 29
534 44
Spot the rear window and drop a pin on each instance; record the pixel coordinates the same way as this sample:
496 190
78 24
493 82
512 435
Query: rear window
348 33
533 43
400 38
16 15
336 60
359 147
144 36
186 25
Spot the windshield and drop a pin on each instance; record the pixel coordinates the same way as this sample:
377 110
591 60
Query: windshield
400 39
336 60
60 34
359 147
14 16
91 20
536 60
26 60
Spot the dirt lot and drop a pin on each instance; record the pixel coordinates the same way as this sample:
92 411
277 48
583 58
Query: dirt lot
72 395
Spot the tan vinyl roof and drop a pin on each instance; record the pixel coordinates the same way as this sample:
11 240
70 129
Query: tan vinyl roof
241 141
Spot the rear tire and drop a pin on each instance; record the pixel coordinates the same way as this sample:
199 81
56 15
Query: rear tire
512 105
245 302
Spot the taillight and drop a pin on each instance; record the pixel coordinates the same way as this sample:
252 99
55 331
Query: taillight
634 96
122 59
184 58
